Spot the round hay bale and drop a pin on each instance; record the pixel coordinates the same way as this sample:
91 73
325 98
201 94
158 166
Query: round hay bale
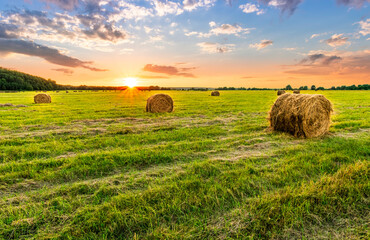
296 91
301 115
42 98
280 92
67 92
215 93
159 103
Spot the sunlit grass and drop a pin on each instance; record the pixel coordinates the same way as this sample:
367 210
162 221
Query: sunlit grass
95 165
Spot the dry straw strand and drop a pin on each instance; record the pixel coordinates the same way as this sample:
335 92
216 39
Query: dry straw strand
215 93
301 115
42 98
159 103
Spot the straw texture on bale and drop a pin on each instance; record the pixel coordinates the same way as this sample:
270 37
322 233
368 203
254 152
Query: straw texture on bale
42 98
296 91
280 92
159 103
301 115
215 93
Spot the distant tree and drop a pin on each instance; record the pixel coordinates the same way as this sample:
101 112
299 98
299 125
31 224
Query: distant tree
288 87
320 88
313 87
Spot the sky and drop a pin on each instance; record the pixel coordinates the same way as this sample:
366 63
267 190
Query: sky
189 43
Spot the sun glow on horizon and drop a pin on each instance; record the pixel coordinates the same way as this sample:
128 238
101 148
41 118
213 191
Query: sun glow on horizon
131 82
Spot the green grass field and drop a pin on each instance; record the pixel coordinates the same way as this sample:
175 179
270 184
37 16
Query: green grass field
95 165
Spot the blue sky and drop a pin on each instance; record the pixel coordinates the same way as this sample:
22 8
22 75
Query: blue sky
205 43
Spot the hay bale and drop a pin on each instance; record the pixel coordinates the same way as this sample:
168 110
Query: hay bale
280 92
67 92
42 98
301 115
215 93
296 91
159 103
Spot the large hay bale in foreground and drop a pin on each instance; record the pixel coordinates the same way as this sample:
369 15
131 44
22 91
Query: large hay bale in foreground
159 103
215 93
280 92
42 98
301 115
296 91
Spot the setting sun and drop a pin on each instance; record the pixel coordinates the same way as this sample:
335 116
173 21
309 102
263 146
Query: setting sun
131 82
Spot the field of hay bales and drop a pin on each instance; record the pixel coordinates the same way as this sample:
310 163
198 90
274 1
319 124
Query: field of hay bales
96 165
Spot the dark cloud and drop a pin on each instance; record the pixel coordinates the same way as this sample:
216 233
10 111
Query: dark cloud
319 59
49 54
8 31
97 28
28 17
64 4
354 3
169 70
66 71
351 63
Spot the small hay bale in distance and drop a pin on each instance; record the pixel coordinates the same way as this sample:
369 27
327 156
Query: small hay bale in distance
215 93
280 92
301 115
159 103
296 91
42 98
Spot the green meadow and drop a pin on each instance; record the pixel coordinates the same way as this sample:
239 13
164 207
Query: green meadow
95 165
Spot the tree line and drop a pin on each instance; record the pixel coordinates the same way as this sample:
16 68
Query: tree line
313 87
18 81
11 80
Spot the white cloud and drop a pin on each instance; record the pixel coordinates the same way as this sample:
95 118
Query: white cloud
251 8
167 7
190 5
337 40
223 29
210 47
365 27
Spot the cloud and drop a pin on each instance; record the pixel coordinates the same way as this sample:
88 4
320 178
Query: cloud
319 59
354 3
66 71
166 7
284 5
229 29
223 29
8 31
337 40
169 70
365 27
334 63
262 44
190 5
251 8
210 47
97 28
64 4
49 54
